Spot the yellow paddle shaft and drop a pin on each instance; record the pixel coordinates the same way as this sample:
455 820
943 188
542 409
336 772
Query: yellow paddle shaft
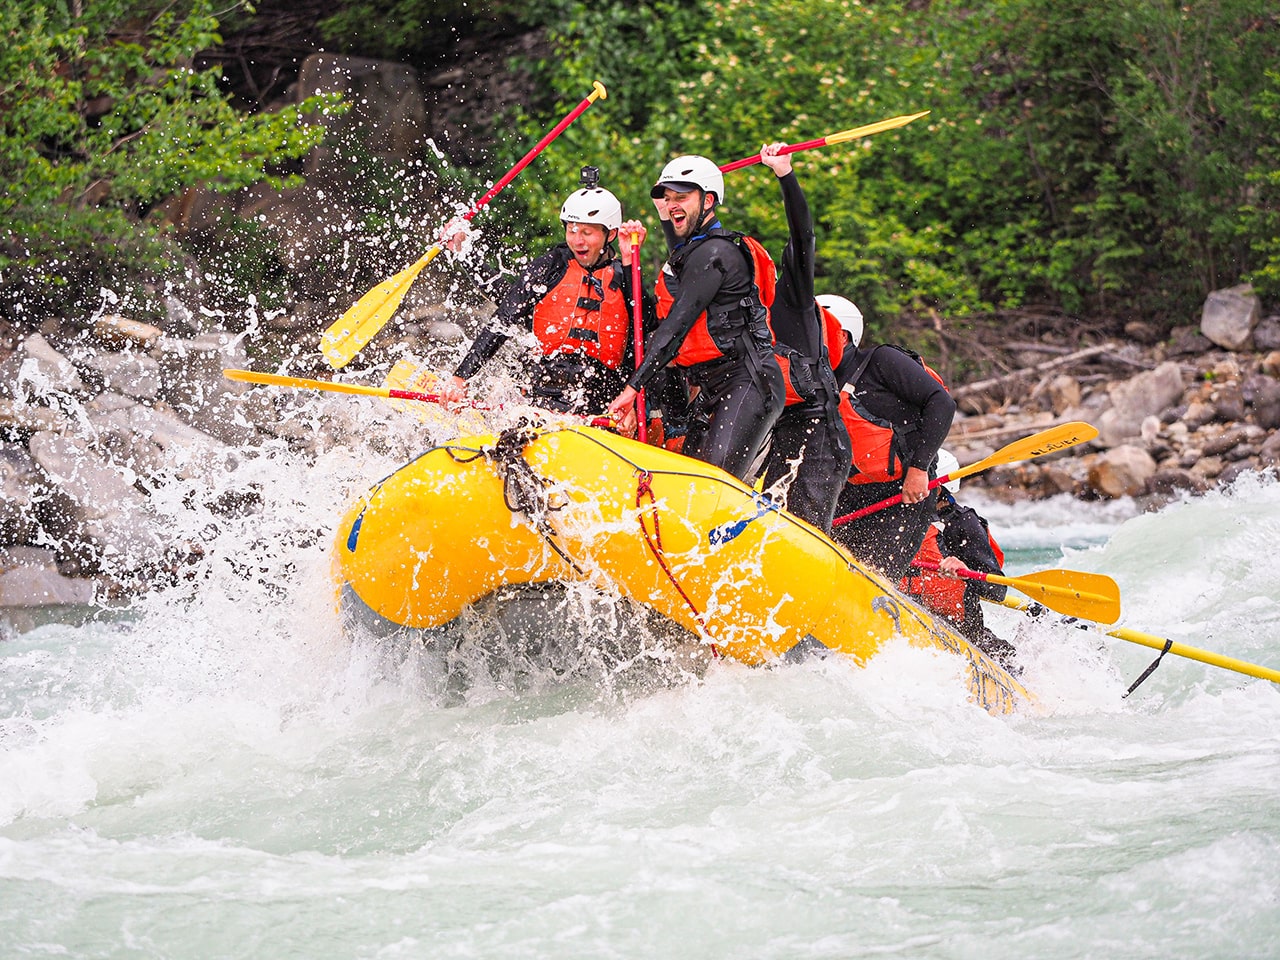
1181 649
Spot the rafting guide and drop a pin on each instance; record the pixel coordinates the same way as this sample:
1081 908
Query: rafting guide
713 297
577 300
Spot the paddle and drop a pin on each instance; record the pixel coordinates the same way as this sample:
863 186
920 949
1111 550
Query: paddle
277 380
1037 445
843 136
347 337
637 332
1180 649
390 393
1091 596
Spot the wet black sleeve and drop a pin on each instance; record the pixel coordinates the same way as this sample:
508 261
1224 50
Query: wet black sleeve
909 381
794 317
714 264
515 309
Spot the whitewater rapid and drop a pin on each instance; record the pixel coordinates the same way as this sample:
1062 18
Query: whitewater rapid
219 772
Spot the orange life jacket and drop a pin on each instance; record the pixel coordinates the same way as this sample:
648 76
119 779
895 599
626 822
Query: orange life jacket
944 595
586 312
877 453
700 344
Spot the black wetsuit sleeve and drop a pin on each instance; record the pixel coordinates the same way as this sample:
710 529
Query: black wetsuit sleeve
848 364
906 379
794 316
669 232
712 266
515 309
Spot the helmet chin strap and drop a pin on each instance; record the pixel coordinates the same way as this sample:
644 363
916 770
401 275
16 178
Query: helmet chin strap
706 216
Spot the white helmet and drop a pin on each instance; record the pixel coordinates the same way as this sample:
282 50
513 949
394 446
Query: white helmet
592 205
847 312
690 171
947 465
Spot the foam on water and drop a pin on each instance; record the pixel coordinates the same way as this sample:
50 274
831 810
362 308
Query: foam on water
224 774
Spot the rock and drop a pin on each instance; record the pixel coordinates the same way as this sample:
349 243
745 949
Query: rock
1236 470
29 577
1262 394
1122 471
1198 414
1142 332
1146 394
1208 467
1225 441
100 517
1063 393
117 333
1269 452
1187 341
1271 364
36 370
18 419
1228 402
1230 316
21 489
133 374
1266 335
1170 479
191 374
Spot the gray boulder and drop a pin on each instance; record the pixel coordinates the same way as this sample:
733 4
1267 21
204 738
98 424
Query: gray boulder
1229 317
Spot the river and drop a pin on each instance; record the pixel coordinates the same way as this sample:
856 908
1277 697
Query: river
219 773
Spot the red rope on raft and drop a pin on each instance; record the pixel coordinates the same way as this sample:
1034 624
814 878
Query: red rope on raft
644 487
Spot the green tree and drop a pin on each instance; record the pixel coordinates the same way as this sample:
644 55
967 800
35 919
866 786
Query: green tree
104 113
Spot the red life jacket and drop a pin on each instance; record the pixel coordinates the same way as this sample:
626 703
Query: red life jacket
699 345
586 312
944 595
877 454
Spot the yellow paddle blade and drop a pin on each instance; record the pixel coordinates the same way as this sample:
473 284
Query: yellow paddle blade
872 128
1090 596
1037 445
347 337
278 380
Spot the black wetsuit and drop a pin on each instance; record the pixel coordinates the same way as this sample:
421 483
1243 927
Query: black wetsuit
567 382
810 450
741 393
894 387
965 535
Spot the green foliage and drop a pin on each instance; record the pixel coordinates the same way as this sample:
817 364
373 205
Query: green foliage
1260 214
1093 156
102 115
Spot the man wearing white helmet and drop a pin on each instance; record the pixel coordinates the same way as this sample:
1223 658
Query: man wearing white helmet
809 455
577 300
713 297
959 539
898 413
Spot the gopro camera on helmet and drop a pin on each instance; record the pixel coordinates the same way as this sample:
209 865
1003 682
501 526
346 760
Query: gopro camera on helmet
589 177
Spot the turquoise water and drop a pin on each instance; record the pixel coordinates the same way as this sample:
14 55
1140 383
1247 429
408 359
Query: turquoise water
226 776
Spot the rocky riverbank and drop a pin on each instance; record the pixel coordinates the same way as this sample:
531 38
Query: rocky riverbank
110 428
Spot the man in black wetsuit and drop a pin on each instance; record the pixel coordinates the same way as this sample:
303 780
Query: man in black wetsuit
577 300
713 323
898 415
809 456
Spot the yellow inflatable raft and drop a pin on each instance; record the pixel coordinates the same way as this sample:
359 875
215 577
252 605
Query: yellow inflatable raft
539 504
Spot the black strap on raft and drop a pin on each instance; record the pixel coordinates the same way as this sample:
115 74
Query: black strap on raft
523 491
1168 644
1037 610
